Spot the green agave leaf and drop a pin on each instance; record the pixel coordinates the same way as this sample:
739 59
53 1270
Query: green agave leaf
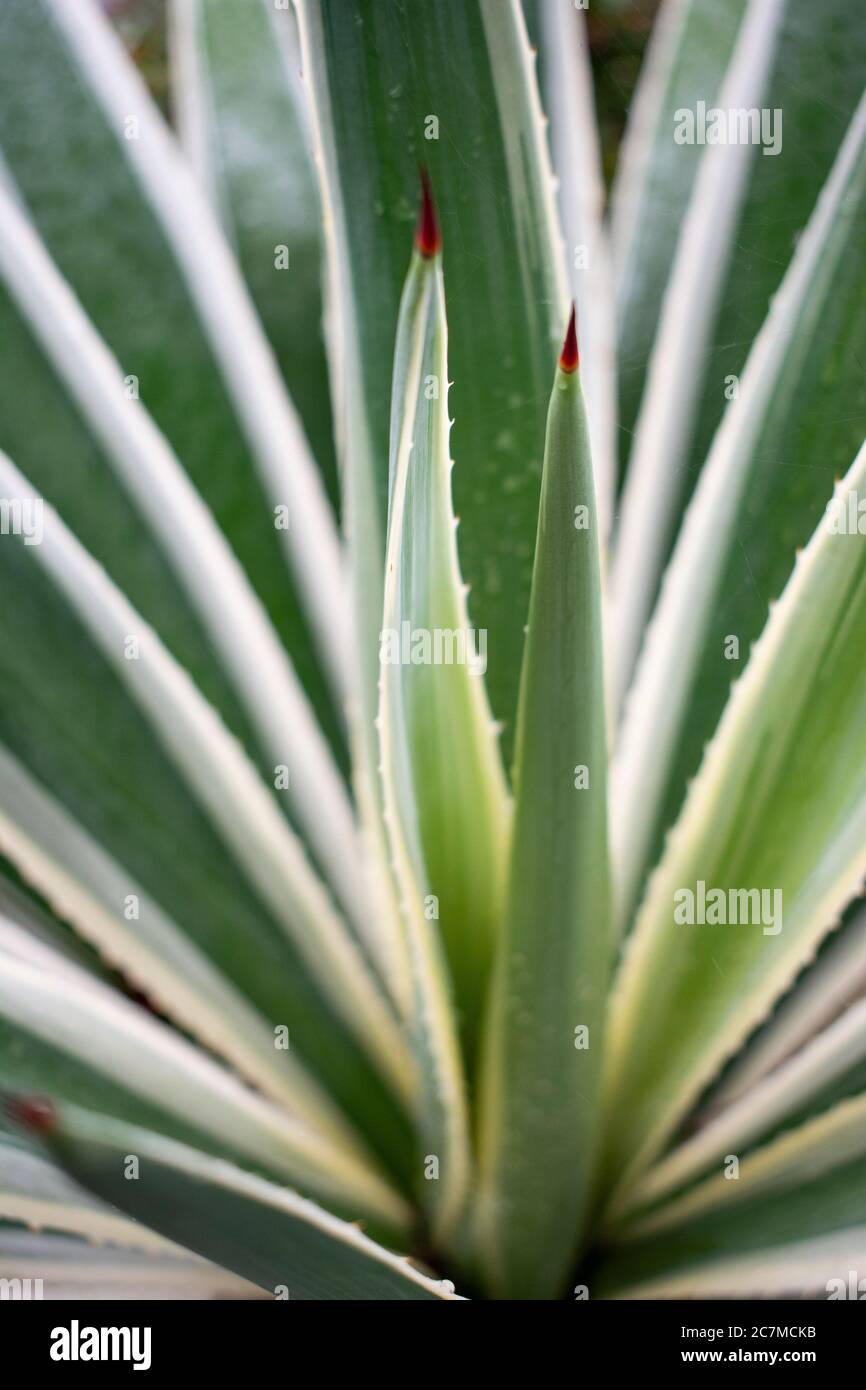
240 116
223 780
674 432
832 1063
544 1044
154 274
445 794
108 908
817 83
807 1186
263 1232
818 1268
565 75
383 83
442 1112
687 996
69 1269
19 905
827 989
70 1036
36 1194
76 730
33 1061
766 479
195 548
653 488
690 47
41 651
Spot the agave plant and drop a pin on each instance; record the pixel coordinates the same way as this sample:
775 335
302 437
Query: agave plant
387 910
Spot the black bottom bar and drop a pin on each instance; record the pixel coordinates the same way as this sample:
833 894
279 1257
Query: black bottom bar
258 1340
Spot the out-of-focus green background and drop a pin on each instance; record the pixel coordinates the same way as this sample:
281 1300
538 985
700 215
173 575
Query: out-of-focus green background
618 31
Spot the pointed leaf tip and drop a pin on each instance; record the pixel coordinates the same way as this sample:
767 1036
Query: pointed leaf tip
428 238
31 1112
569 358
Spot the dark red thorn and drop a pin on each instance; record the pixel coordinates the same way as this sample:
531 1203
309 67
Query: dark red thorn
569 358
428 238
31 1112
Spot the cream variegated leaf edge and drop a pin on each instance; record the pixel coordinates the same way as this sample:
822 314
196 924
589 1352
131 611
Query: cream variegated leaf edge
197 550
802 1269
63 1268
221 776
250 372
36 1194
835 982
285 1243
655 470
807 626
658 699
805 1153
87 888
760 1110
569 100
92 1023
